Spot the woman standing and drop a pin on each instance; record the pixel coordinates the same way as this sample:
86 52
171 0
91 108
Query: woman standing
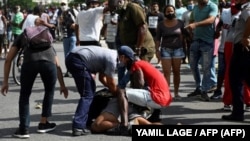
41 61
169 46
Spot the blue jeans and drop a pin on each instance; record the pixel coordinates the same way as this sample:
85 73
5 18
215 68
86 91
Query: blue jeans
202 51
86 88
213 78
29 71
68 44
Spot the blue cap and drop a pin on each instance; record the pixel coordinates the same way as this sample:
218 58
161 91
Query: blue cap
127 51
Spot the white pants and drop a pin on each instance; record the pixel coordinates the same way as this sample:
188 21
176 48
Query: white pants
141 97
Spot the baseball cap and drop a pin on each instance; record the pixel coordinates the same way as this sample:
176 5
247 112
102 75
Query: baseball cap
64 2
127 51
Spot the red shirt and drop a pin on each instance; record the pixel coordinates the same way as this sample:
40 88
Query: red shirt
156 82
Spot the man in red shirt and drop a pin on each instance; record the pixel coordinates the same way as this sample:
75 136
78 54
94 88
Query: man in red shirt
148 88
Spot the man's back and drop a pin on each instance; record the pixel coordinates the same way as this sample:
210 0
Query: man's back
98 59
90 24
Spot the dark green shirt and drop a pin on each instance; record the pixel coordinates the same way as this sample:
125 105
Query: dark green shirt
131 18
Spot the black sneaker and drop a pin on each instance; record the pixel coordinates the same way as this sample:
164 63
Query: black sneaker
80 132
197 92
119 130
204 97
155 117
23 134
67 74
232 118
217 95
46 127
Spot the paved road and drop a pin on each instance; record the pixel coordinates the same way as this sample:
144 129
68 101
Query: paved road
187 111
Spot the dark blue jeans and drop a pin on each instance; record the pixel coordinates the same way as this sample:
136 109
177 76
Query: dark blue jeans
86 88
239 73
29 71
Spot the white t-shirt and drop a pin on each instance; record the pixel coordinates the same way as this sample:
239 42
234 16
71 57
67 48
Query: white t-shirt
90 23
1 25
227 29
29 21
111 28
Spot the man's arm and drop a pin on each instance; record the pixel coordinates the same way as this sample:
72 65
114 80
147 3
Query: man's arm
108 82
142 31
137 79
246 35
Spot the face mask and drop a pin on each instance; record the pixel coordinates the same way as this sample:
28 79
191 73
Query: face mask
238 6
190 7
64 8
170 16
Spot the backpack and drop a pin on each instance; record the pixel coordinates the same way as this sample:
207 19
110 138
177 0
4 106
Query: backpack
37 38
100 101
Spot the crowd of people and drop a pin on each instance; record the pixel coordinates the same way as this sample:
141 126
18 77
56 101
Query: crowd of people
179 34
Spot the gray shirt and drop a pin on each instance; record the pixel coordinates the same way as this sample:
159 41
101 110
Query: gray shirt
98 59
170 37
241 23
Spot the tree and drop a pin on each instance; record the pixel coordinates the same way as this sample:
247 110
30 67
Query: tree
23 3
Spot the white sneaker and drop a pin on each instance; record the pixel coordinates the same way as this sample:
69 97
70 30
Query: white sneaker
247 108
227 108
158 66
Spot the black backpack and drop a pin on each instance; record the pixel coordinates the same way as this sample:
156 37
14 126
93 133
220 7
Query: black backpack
100 101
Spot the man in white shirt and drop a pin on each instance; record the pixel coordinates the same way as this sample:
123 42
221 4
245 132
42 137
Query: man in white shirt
89 23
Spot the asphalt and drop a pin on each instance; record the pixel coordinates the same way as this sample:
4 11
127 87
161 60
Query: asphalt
187 111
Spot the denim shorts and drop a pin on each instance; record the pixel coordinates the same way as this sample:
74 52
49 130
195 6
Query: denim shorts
167 53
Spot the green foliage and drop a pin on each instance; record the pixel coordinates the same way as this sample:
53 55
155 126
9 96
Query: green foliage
23 3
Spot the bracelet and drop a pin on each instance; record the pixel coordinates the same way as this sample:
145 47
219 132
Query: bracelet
138 48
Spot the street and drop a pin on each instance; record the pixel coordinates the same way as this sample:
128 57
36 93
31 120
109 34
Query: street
187 111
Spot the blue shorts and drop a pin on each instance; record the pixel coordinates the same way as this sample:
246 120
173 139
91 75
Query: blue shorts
167 53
